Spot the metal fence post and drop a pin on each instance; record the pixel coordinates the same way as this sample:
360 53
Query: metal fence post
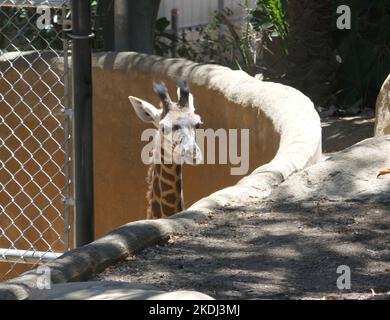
83 139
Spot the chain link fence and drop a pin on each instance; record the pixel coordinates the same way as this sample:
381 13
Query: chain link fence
35 134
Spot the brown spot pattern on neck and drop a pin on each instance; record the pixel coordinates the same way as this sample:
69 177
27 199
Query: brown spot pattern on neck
165 190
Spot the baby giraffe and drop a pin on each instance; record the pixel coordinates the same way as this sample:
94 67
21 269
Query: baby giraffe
174 145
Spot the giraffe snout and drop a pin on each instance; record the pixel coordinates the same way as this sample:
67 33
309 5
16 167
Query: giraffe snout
192 155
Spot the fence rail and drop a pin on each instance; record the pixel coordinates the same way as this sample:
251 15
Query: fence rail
35 133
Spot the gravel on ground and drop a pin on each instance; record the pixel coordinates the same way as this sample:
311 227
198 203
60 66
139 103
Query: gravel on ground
290 245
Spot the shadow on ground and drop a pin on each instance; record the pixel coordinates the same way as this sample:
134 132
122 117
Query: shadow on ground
290 245
340 133
271 251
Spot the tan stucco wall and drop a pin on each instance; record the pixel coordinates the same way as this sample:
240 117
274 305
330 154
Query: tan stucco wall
284 128
382 110
120 186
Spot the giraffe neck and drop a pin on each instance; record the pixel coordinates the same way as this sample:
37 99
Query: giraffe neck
165 190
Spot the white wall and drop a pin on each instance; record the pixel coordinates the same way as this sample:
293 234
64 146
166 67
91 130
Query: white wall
196 12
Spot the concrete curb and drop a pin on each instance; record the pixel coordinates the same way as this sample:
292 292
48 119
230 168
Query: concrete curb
294 117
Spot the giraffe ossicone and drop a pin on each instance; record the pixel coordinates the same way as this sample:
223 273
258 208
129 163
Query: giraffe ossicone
175 145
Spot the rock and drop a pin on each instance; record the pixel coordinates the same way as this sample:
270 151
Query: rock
112 290
327 112
355 109
382 112
350 174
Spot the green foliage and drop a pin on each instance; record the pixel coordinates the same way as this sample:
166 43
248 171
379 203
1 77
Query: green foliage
236 45
94 4
272 14
242 40
248 41
163 38
364 52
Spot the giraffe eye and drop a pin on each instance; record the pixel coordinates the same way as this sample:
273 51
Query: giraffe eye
176 127
165 129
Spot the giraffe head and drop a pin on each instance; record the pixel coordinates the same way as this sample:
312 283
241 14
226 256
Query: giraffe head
176 123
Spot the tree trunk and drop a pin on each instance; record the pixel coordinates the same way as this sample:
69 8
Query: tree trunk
105 12
311 60
140 19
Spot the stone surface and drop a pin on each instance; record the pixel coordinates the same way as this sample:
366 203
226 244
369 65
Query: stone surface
283 124
382 110
80 263
286 130
111 290
350 174
289 245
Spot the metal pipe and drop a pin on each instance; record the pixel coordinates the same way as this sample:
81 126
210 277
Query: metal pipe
27 256
67 129
83 134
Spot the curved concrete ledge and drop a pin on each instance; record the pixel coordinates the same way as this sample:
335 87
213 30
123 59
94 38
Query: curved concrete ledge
112 290
284 121
293 117
292 113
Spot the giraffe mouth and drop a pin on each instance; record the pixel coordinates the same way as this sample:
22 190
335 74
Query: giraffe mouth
193 161
191 157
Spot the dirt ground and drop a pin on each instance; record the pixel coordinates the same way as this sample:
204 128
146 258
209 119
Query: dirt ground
264 249
340 133
272 251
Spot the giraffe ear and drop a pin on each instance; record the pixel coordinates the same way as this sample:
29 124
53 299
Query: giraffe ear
146 111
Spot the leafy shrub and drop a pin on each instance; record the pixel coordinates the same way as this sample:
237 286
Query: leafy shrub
163 38
364 52
236 45
271 14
